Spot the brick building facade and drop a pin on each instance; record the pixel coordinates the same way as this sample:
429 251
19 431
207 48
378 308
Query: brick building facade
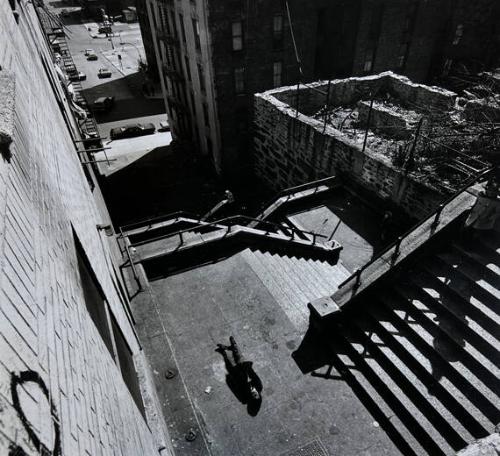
214 55
73 378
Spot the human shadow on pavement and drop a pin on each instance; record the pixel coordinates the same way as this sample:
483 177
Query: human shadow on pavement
241 378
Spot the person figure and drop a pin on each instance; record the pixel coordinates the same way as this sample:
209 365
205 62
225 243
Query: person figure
241 376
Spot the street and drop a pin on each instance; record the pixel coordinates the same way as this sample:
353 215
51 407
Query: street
121 54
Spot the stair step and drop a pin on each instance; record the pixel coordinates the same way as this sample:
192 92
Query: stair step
450 380
490 240
441 423
486 371
400 404
282 270
484 257
293 302
482 328
483 278
366 386
306 271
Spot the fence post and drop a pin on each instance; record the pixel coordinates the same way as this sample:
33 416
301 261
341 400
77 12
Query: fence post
357 274
435 222
396 249
368 123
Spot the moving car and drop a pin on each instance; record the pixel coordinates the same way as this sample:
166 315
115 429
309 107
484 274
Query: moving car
132 130
77 76
88 52
92 56
103 73
103 104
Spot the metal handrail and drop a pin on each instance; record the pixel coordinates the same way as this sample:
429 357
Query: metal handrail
289 191
224 221
150 221
305 186
132 264
397 243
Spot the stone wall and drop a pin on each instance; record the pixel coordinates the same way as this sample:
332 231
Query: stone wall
61 391
292 148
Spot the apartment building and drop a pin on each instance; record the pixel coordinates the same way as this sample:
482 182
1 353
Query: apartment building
73 378
214 55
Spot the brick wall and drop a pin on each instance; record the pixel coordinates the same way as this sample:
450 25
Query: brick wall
59 387
292 148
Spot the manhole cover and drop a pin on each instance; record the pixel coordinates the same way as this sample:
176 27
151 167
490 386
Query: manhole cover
314 448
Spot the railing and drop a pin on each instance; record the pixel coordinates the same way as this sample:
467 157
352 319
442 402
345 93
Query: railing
227 223
292 190
131 262
161 218
435 215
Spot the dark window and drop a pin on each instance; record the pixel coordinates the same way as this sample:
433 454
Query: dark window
188 69
277 32
93 296
277 74
127 366
239 80
368 63
201 76
193 106
459 31
205 115
237 35
196 33
183 31
402 53
209 146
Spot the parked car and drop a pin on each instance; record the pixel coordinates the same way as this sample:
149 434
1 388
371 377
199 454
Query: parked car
77 76
103 104
64 13
103 73
132 130
92 56
164 126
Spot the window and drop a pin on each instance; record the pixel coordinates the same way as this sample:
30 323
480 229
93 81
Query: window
402 53
239 80
193 106
277 72
277 32
188 69
237 33
127 367
196 33
201 77
174 25
459 31
205 115
183 30
368 65
93 296
447 66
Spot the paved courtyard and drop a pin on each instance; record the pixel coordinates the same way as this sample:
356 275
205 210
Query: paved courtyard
181 322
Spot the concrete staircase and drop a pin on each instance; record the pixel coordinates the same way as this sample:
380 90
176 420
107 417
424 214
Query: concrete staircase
422 350
294 282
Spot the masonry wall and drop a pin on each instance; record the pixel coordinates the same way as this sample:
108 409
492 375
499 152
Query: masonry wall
60 389
292 148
